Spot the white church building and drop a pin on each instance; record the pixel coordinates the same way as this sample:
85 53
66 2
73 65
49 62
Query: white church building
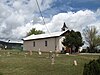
44 42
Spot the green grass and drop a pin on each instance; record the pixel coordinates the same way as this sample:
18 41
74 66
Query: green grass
19 64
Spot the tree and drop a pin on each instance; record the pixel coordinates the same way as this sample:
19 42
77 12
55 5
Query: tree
92 38
35 32
73 40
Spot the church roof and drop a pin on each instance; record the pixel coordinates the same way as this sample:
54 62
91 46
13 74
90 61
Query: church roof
42 36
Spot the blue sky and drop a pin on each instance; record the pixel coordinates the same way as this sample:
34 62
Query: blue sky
17 17
61 6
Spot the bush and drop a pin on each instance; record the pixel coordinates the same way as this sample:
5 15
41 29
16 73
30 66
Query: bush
92 68
1 73
84 51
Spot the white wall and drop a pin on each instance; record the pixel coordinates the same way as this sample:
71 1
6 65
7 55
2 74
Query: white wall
60 42
40 44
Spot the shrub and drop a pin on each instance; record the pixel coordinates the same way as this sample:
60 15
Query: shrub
1 73
92 68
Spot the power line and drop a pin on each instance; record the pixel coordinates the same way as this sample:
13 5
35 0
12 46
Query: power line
42 16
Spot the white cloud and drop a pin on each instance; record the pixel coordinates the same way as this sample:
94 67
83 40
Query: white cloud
15 14
75 21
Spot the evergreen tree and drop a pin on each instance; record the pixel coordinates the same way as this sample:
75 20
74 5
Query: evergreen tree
73 39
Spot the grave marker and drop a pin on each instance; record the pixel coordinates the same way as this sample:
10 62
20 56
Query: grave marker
75 62
53 59
39 52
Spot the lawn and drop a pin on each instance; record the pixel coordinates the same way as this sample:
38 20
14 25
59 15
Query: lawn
20 63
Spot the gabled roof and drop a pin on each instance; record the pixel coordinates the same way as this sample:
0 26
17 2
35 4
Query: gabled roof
42 36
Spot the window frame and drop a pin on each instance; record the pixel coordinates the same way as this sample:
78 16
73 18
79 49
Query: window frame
33 43
46 43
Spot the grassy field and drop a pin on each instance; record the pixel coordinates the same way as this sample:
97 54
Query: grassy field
17 63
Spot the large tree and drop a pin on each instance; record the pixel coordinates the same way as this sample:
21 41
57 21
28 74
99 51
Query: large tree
92 38
73 39
35 32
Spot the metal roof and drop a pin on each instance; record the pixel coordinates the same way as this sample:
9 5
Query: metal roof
42 36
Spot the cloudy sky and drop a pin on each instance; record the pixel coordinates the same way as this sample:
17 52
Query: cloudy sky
17 17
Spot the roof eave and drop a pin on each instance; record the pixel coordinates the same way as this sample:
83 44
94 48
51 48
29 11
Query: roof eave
40 38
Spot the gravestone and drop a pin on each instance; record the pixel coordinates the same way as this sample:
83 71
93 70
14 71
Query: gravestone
25 54
30 52
50 54
8 53
75 63
53 59
39 52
